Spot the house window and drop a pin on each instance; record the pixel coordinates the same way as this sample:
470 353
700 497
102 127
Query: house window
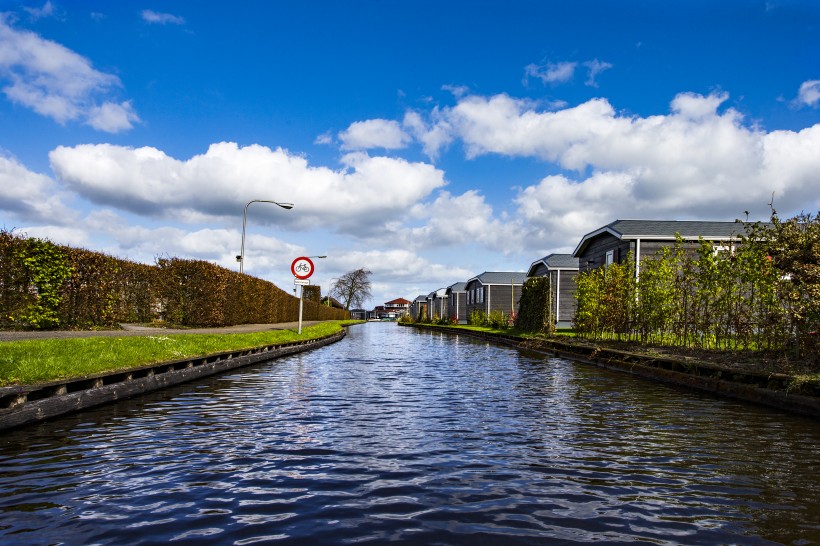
724 251
610 257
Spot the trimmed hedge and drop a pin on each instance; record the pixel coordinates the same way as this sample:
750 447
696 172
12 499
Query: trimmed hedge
43 285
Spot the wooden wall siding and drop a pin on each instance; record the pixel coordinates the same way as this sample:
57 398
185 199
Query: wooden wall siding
540 270
499 298
458 304
568 303
597 249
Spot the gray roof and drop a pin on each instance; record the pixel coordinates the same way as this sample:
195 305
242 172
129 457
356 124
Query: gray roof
555 261
664 230
457 287
501 277
421 298
440 293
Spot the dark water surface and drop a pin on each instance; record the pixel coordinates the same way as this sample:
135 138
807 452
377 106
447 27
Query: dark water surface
394 435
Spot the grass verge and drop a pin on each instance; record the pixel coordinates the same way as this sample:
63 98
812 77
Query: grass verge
38 361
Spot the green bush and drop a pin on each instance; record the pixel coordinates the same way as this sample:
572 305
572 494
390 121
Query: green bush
535 310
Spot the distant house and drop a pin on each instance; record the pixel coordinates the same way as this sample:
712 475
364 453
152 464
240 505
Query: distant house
562 270
358 314
613 242
400 306
457 302
418 307
437 304
495 291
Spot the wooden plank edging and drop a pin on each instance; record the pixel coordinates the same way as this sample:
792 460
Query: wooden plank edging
749 388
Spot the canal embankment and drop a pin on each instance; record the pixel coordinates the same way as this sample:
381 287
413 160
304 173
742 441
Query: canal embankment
26 404
776 390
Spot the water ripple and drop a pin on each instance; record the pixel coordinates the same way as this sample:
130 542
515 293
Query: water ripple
437 441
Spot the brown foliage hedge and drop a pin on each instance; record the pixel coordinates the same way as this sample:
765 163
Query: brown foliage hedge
102 291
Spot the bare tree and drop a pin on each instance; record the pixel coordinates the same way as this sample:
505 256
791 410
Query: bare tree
352 288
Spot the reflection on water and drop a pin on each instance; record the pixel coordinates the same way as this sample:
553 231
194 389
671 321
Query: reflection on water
394 435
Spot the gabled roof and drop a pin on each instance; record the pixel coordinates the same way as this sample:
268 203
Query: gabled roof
500 277
421 298
457 287
554 262
397 301
628 230
440 293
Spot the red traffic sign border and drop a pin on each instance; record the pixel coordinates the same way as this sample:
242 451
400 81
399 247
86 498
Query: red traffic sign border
302 275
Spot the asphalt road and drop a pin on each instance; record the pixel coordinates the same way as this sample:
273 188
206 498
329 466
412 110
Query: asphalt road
139 330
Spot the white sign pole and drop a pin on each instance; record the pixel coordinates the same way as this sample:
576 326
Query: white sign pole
301 294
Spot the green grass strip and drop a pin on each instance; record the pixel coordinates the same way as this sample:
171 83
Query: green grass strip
37 361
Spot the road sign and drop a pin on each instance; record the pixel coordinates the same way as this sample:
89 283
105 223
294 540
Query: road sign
302 267
303 282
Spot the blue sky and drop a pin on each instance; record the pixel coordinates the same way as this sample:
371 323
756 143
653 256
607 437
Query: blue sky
426 141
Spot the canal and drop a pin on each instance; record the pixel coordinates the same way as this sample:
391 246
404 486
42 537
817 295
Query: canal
397 435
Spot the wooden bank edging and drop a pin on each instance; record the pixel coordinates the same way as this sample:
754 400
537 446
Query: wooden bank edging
770 389
25 404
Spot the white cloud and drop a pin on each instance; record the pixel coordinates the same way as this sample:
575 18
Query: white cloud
357 199
374 133
111 117
595 67
551 73
31 197
154 17
809 93
463 220
58 83
699 161
38 13
434 136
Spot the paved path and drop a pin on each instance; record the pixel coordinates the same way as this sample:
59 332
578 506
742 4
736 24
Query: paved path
138 330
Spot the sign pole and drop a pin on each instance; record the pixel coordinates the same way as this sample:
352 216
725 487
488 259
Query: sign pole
302 268
301 299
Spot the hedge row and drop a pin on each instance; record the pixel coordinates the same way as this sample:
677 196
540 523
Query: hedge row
43 285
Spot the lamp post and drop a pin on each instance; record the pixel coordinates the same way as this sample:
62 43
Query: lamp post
241 257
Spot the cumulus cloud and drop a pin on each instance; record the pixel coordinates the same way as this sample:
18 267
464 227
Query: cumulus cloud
809 93
374 133
434 136
157 18
400 265
31 197
58 83
698 161
465 219
357 198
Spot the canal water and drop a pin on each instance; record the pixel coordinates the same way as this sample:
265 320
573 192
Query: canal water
396 435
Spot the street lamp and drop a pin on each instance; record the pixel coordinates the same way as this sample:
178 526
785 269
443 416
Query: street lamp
241 257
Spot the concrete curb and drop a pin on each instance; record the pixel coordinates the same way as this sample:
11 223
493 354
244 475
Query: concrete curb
770 390
26 404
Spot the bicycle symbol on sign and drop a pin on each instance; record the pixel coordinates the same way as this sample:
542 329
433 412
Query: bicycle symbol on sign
302 267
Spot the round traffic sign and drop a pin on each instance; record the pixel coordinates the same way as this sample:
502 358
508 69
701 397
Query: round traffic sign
302 267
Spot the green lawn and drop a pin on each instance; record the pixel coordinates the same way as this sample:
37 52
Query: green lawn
37 361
